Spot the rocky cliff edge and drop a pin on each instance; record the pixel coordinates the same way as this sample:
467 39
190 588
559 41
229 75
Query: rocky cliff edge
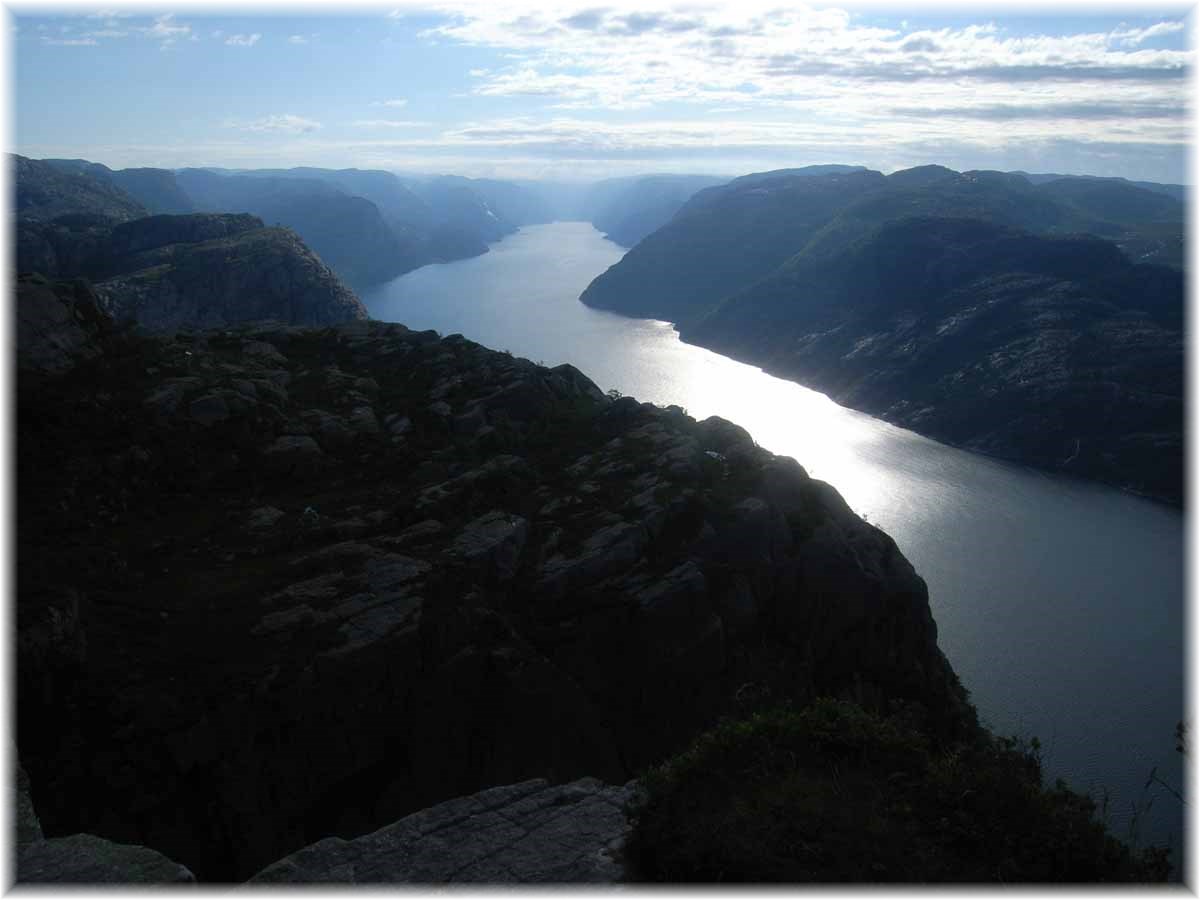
316 579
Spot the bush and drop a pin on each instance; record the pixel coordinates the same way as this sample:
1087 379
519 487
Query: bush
833 793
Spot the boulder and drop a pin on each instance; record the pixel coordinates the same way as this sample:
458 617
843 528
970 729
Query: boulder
58 323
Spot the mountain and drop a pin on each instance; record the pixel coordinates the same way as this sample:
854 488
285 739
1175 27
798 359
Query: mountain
1052 351
205 271
156 189
520 203
1148 225
889 294
726 238
1177 191
168 272
628 209
458 204
403 210
348 233
437 219
722 239
43 192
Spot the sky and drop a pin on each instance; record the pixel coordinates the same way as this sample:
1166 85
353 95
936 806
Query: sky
592 89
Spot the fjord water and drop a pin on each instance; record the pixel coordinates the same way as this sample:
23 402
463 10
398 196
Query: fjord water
1059 603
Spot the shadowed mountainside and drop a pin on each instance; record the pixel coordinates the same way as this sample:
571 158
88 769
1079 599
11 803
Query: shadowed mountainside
42 192
917 296
722 239
1057 352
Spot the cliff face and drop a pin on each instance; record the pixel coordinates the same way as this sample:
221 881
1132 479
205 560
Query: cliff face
191 271
970 307
723 239
44 192
1055 352
319 579
348 233
629 209
258 273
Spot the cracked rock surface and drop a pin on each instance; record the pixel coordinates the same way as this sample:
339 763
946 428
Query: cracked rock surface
527 833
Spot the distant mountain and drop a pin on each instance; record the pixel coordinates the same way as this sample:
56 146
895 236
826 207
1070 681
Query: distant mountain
165 272
400 207
1053 351
916 296
44 192
435 219
722 239
1148 225
460 205
1178 191
348 233
725 238
156 189
515 202
628 209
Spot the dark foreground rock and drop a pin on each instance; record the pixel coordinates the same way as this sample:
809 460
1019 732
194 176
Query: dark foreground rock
57 322
81 858
87 859
528 833
279 584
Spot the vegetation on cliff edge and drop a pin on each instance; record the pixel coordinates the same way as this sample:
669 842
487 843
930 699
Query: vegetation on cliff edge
832 793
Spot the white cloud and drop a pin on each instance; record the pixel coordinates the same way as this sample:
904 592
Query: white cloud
166 31
70 42
284 123
390 123
394 104
610 57
242 40
297 39
1133 36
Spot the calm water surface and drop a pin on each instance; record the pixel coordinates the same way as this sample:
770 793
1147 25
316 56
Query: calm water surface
1059 603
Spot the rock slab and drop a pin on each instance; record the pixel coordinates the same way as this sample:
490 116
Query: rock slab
526 833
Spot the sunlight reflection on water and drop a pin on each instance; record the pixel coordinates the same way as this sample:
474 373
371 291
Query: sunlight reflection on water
1059 603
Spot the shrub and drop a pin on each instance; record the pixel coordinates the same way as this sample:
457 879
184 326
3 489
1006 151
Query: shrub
833 793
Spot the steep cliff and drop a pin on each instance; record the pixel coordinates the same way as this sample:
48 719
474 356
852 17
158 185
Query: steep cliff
192 271
723 239
348 232
253 273
319 579
44 192
1055 352
629 209
917 296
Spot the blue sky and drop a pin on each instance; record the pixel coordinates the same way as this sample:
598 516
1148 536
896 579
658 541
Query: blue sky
593 89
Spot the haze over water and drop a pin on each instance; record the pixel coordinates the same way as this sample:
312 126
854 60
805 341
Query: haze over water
1059 603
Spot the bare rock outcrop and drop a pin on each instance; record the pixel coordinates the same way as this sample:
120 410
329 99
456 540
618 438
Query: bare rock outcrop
527 833
299 626
81 858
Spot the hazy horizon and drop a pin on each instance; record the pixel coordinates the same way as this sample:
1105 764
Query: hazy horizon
509 90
